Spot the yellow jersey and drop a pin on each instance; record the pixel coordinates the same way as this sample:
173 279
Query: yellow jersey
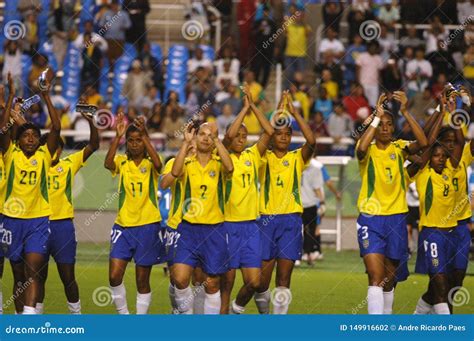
241 189
203 201
138 203
460 186
296 40
280 180
26 193
175 212
3 181
384 180
437 198
60 182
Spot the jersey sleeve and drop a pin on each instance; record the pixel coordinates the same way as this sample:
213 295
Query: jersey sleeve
77 161
255 155
119 161
366 157
403 144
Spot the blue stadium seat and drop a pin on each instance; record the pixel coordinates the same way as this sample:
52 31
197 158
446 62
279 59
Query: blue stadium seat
177 71
122 67
47 50
26 68
208 52
71 81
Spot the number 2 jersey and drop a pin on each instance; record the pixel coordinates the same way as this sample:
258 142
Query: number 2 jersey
26 192
138 202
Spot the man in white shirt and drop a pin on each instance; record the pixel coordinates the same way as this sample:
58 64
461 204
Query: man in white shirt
199 61
418 72
368 67
331 44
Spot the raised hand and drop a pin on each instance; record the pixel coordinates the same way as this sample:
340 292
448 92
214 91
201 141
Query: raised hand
379 107
121 125
401 97
139 122
189 133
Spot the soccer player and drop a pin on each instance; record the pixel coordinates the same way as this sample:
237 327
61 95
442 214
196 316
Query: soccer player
62 240
2 196
280 208
381 225
135 233
26 209
241 207
202 238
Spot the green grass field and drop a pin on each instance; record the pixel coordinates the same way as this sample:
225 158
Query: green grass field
336 285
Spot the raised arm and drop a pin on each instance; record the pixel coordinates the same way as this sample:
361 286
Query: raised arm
234 128
369 133
268 130
221 150
155 159
120 129
55 130
178 165
308 148
93 144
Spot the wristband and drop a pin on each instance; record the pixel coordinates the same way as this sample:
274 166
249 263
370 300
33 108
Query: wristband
375 122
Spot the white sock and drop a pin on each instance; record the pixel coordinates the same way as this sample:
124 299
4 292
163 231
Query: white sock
375 300
199 294
441 309
388 302
39 308
262 300
27 310
212 303
74 308
236 309
1 303
172 296
184 300
422 308
281 300
143 303
119 296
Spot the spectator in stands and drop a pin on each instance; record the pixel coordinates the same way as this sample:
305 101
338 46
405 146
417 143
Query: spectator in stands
225 119
442 61
172 124
361 122
172 103
228 96
350 57
355 18
418 73
330 63
227 53
256 90
36 115
355 100
468 69
391 75
12 64
438 86
339 125
420 103
93 38
199 61
465 10
205 93
389 13
387 43
91 96
408 55
368 66
113 23
152 67
331 86
61 25
434 34
30 42
264 29
411 39
297 33
155 119
39 64
320 129
469 34
91 57
137 11
136 84
406 132
323 104
331 44
226 76
332 15
302 99
29 5
148 101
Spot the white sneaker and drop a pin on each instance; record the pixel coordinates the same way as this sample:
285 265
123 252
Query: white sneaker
316 255
297 263
304 258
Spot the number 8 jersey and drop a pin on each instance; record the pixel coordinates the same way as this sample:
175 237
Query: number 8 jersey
138 203
26 190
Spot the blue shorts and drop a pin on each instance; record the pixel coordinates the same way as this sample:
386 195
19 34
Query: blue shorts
281 236
22 236
462 237
383 234
170 242
142 243
245 249
436 251
202 245
62 242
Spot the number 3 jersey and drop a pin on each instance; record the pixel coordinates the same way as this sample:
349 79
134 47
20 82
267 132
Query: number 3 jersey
60 182
138 203
280 182
26 192
384 180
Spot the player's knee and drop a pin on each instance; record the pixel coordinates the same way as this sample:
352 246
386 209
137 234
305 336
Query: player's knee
115 279
212 285
181 282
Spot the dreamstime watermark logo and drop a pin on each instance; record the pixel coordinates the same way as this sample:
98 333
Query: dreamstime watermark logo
281 296
458 296
193 207
21 288
14 30
103 119
459 29
101 209
370 207
108 24
370 30
15 206
102 296
192 30
281 118
281 30
459 119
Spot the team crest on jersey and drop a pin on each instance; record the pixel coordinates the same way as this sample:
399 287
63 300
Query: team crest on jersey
435 262
60 169
365 244
143 170
286 163
212 174
445 177
248 163
392 156
34 162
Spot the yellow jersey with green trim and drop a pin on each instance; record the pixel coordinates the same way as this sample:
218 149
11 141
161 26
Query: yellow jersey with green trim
280 183
26 193
384 180
437 198
460 183
3 181
241 189
175 212
138 202
203 201
60 182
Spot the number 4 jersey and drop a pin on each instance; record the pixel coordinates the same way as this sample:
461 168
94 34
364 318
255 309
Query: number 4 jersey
138 202
26 190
